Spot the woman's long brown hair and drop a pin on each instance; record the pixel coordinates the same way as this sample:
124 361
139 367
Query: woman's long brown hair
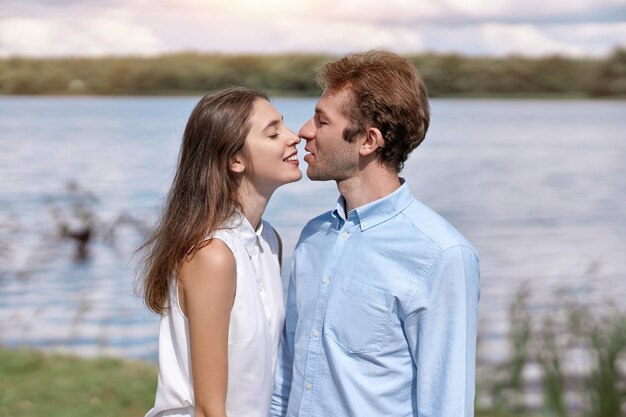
204 190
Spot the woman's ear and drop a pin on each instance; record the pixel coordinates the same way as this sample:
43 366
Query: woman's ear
237 163
372 141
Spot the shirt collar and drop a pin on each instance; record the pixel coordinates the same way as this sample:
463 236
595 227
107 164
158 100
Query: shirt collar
377 211
250 237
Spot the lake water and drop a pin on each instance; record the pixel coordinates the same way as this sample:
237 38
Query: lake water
538 186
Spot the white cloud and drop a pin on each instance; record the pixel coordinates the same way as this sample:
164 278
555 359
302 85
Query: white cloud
526 40
32 36
594 39
94 36
534 27
340 36
598 36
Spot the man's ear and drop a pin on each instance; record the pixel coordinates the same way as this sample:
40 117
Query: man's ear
237 163
372 141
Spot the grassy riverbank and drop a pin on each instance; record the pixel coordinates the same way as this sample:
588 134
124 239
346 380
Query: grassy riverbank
33 384
37 384
446 75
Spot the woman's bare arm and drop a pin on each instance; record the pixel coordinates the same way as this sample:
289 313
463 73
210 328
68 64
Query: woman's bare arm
208 281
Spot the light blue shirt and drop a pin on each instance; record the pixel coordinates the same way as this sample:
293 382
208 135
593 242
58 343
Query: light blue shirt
381 315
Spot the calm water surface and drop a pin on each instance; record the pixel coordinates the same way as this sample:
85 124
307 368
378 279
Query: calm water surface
538 186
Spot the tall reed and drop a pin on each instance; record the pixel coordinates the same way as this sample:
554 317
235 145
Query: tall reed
546 340
606 384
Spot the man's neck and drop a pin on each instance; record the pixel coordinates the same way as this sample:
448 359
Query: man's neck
367 187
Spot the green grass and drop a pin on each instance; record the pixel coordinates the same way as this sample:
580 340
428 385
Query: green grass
33 384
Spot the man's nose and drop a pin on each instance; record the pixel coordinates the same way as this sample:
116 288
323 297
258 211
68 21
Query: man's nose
307 131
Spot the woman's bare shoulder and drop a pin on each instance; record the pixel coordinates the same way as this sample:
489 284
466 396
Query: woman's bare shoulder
213 259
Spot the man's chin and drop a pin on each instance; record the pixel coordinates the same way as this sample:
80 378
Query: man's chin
316 176
311 174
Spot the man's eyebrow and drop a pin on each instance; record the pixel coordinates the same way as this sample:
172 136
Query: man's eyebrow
320 111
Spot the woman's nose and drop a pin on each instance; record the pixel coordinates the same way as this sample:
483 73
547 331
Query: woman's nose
294 139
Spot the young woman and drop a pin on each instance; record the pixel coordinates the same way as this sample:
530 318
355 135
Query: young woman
212 268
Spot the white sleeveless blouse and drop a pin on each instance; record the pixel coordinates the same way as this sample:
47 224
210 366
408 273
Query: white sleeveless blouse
256 322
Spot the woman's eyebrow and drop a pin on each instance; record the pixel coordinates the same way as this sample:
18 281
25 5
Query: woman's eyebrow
273 123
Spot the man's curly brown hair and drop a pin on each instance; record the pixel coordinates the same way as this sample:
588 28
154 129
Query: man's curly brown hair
387 93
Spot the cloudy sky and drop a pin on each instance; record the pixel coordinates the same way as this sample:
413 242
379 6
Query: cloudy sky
148 27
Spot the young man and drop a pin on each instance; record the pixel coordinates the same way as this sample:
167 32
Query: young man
383 296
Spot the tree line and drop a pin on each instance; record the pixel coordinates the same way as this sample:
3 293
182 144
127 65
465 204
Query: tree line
446 75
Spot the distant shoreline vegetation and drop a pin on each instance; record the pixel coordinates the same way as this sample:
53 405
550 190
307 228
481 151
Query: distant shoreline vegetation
446 75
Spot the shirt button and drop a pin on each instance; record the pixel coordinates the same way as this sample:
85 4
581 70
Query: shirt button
309 387
316 333
364 224
346 234
325 280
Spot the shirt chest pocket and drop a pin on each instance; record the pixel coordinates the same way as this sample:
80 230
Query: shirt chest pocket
358 316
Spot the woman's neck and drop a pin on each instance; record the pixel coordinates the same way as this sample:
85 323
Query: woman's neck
253 203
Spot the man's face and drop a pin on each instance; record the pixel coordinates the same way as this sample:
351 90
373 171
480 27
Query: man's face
330 157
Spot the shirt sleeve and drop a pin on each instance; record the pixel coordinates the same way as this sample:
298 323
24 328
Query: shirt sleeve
284 363
440 326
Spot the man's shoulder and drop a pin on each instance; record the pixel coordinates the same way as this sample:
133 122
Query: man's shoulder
428 225
428 237
322 219
317 224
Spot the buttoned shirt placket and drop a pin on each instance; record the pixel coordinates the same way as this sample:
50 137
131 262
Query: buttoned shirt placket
344 230
255 259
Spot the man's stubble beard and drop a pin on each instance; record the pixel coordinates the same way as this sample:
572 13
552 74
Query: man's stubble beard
343 170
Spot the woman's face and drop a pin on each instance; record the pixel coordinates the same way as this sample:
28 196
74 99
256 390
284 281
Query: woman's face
271 155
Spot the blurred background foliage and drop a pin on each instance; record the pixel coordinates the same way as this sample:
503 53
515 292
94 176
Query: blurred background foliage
578 354
447 75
